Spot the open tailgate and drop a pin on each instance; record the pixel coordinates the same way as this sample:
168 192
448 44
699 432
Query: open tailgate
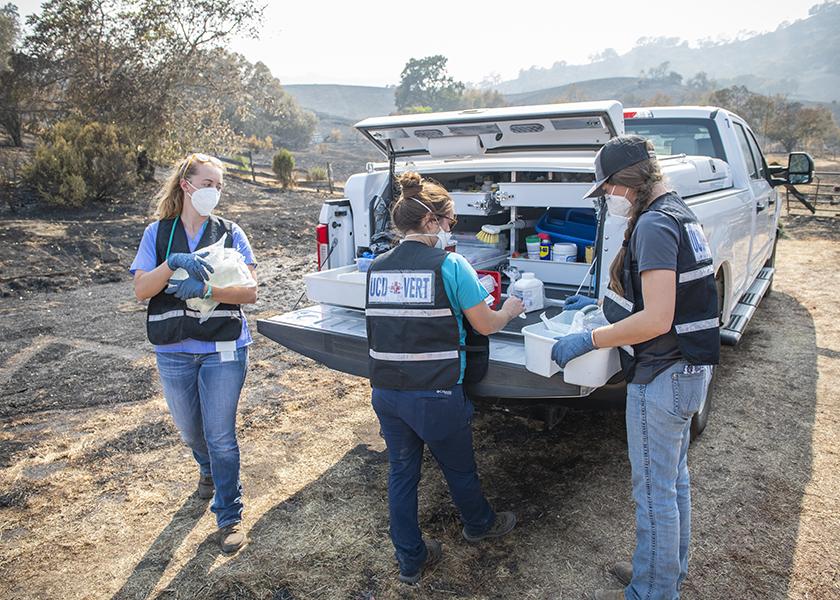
336 337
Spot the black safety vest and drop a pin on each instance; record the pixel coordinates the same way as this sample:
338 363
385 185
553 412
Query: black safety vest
696 316
412 331
170 320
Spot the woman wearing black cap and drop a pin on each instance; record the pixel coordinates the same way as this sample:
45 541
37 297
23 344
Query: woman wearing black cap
662 305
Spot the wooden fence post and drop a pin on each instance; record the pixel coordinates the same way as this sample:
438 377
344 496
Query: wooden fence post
251 163
329 177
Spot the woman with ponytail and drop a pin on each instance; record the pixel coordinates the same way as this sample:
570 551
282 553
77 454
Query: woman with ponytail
662 306
426 321
202 365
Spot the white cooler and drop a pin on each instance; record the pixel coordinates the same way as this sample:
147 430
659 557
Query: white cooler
593 369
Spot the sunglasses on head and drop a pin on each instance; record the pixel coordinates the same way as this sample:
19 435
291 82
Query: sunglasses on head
198 157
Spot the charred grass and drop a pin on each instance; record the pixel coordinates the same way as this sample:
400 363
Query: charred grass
97 492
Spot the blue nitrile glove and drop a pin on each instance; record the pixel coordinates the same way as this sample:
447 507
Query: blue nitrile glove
194 264
571 346
578 302
185 289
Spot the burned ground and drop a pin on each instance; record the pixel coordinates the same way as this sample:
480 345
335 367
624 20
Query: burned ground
97 491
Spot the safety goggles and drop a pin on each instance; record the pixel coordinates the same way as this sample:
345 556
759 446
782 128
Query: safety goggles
453 221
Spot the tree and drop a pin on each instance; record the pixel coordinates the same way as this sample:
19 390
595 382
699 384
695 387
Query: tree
700 82
425 82
473 98
140 63
9 32
265 109
283 166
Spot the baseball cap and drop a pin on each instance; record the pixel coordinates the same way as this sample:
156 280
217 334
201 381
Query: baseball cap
617 154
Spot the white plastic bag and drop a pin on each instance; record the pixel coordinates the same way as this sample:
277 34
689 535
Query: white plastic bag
229 270
588 318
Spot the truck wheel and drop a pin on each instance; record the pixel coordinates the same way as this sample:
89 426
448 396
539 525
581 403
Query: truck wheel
701 417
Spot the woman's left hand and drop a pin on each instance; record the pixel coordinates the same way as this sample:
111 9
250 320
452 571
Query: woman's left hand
571 346
184 289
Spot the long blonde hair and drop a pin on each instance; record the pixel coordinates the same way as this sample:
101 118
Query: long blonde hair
641 177
170 199
408 215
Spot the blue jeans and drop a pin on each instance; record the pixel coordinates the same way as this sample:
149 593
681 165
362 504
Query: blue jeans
202 393
658 431
442 420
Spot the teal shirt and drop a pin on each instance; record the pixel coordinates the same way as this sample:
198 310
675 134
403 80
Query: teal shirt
464 291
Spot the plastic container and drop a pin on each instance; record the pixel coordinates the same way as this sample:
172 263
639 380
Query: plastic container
530 290
565 252
593 369
496 292
570 225
545 246
532 242
363 264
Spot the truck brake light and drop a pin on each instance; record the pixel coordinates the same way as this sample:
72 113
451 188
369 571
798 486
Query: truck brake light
629 114
322 240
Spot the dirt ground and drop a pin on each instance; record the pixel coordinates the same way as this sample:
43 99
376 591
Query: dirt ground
97 491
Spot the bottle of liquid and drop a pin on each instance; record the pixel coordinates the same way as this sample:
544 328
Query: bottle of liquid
545 246
530 290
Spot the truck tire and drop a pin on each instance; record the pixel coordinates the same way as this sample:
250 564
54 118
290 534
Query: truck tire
701 417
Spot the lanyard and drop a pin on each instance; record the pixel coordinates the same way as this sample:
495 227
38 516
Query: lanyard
171 235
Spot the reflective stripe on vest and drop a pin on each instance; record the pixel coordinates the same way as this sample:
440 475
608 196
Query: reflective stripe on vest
622 302
414 356
697 325
697 273
172 314
408 312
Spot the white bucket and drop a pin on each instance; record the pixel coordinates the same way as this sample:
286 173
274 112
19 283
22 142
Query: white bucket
564 253
593 369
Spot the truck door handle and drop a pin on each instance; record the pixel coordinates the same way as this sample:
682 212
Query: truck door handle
759 206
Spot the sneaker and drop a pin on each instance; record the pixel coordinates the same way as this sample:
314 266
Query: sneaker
433 553
623 571
608 595
231 537
503 525
206 487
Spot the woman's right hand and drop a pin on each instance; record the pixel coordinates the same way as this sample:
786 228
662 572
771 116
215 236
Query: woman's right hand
513 307
194 264
577 302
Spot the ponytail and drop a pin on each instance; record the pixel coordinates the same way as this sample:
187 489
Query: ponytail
642 178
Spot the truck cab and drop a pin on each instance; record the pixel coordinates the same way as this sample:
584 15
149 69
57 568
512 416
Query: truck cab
528 168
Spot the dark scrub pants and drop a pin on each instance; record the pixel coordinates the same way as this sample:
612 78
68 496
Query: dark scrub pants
440 419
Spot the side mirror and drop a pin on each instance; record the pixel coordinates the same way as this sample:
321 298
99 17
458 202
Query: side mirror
800 168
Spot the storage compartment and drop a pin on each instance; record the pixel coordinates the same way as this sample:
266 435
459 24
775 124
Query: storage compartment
593 369
475 203
572 225
544 194
563 273
344 286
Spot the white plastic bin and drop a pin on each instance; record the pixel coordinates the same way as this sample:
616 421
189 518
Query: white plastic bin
593 369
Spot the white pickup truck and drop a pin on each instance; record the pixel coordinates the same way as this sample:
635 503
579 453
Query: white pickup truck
531 165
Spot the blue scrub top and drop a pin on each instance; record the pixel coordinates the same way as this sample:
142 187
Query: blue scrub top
464 291
146 260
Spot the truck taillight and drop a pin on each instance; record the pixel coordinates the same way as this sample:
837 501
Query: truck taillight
323 244
629 114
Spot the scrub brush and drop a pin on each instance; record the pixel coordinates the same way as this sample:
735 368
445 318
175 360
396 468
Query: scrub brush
489 234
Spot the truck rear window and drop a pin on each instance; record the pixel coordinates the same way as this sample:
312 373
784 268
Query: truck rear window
696 137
